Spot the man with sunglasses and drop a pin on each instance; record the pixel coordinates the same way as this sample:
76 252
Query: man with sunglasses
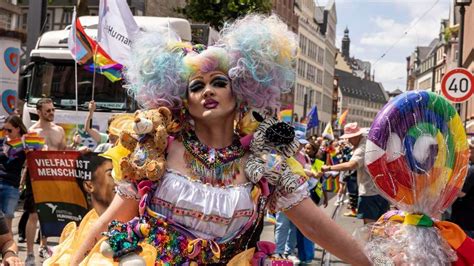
55 140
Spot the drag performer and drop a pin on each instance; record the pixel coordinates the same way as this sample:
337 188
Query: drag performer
205 209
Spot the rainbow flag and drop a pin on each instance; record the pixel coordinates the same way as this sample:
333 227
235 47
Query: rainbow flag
15 143
87 52
33 141
286 115
342 119
16 146
331 184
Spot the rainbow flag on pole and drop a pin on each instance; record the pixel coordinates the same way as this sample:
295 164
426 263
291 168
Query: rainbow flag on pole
88 53
286 115
342 119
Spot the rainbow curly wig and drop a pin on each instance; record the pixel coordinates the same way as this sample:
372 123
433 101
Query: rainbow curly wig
257 52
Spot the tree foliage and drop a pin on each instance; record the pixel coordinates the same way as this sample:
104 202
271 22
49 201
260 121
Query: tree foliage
217 12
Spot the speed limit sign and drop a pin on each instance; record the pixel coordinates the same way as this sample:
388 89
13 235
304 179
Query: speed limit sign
457 85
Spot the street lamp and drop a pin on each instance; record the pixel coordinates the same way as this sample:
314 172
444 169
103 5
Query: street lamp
462 10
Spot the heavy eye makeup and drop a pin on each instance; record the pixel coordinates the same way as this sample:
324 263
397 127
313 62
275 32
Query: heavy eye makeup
217 82
196 85
220 82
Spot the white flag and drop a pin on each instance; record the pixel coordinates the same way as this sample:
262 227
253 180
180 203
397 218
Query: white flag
117 29
328 133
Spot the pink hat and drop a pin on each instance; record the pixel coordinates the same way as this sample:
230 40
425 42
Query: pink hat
351 130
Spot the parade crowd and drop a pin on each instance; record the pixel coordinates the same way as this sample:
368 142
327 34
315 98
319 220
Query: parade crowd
333 166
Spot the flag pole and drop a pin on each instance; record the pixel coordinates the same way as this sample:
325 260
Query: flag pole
93 75
75 72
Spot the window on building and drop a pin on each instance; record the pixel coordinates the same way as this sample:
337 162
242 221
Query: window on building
301 67
303 44
320 55
300 94
310 72
313 51
311 96
319 77
318 98
5 19
24 18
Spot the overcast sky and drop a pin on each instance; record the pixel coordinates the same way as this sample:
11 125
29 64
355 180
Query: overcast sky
375 25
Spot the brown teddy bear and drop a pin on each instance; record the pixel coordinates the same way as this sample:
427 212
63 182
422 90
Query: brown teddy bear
147 145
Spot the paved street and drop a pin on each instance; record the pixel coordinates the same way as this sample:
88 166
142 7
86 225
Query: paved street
22 246
350 224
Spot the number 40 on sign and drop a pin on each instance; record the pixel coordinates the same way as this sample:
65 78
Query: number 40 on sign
457 85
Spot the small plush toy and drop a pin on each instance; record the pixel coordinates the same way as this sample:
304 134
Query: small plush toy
272 144
147 145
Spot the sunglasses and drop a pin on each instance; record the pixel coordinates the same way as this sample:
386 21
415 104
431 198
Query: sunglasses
9 130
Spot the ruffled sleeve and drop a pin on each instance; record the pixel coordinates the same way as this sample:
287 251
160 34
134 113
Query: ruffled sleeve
279 201
127 190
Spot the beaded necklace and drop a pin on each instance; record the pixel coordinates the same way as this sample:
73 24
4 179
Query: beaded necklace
212 166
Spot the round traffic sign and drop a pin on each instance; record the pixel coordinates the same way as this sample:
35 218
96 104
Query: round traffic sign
457 85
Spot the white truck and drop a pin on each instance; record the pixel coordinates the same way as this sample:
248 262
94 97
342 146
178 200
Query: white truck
51 74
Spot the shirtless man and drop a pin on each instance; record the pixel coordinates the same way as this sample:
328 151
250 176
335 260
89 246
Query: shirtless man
53 134
55 139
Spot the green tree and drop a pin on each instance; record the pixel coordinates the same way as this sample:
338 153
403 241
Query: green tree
216 12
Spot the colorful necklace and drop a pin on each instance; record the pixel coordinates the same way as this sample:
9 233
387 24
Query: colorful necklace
212 166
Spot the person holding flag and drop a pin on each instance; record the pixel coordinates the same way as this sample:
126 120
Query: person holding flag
12 160
371 205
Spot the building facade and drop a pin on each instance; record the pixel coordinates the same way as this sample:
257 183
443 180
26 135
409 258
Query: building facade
354 88
10 15
315 62
427 65
59 12
363 98
285 10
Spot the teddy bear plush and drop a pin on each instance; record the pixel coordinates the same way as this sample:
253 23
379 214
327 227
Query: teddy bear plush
272 144
147 144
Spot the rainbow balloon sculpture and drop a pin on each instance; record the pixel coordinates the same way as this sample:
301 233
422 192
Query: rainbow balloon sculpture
417 155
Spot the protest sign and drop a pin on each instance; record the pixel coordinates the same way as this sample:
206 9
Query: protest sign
58 196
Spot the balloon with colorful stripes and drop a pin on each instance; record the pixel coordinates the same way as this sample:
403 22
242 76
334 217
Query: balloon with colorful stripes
417 152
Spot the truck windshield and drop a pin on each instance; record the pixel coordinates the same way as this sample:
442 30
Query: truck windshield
56 81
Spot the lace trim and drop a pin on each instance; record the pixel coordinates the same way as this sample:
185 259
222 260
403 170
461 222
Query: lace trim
199 215
296 203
